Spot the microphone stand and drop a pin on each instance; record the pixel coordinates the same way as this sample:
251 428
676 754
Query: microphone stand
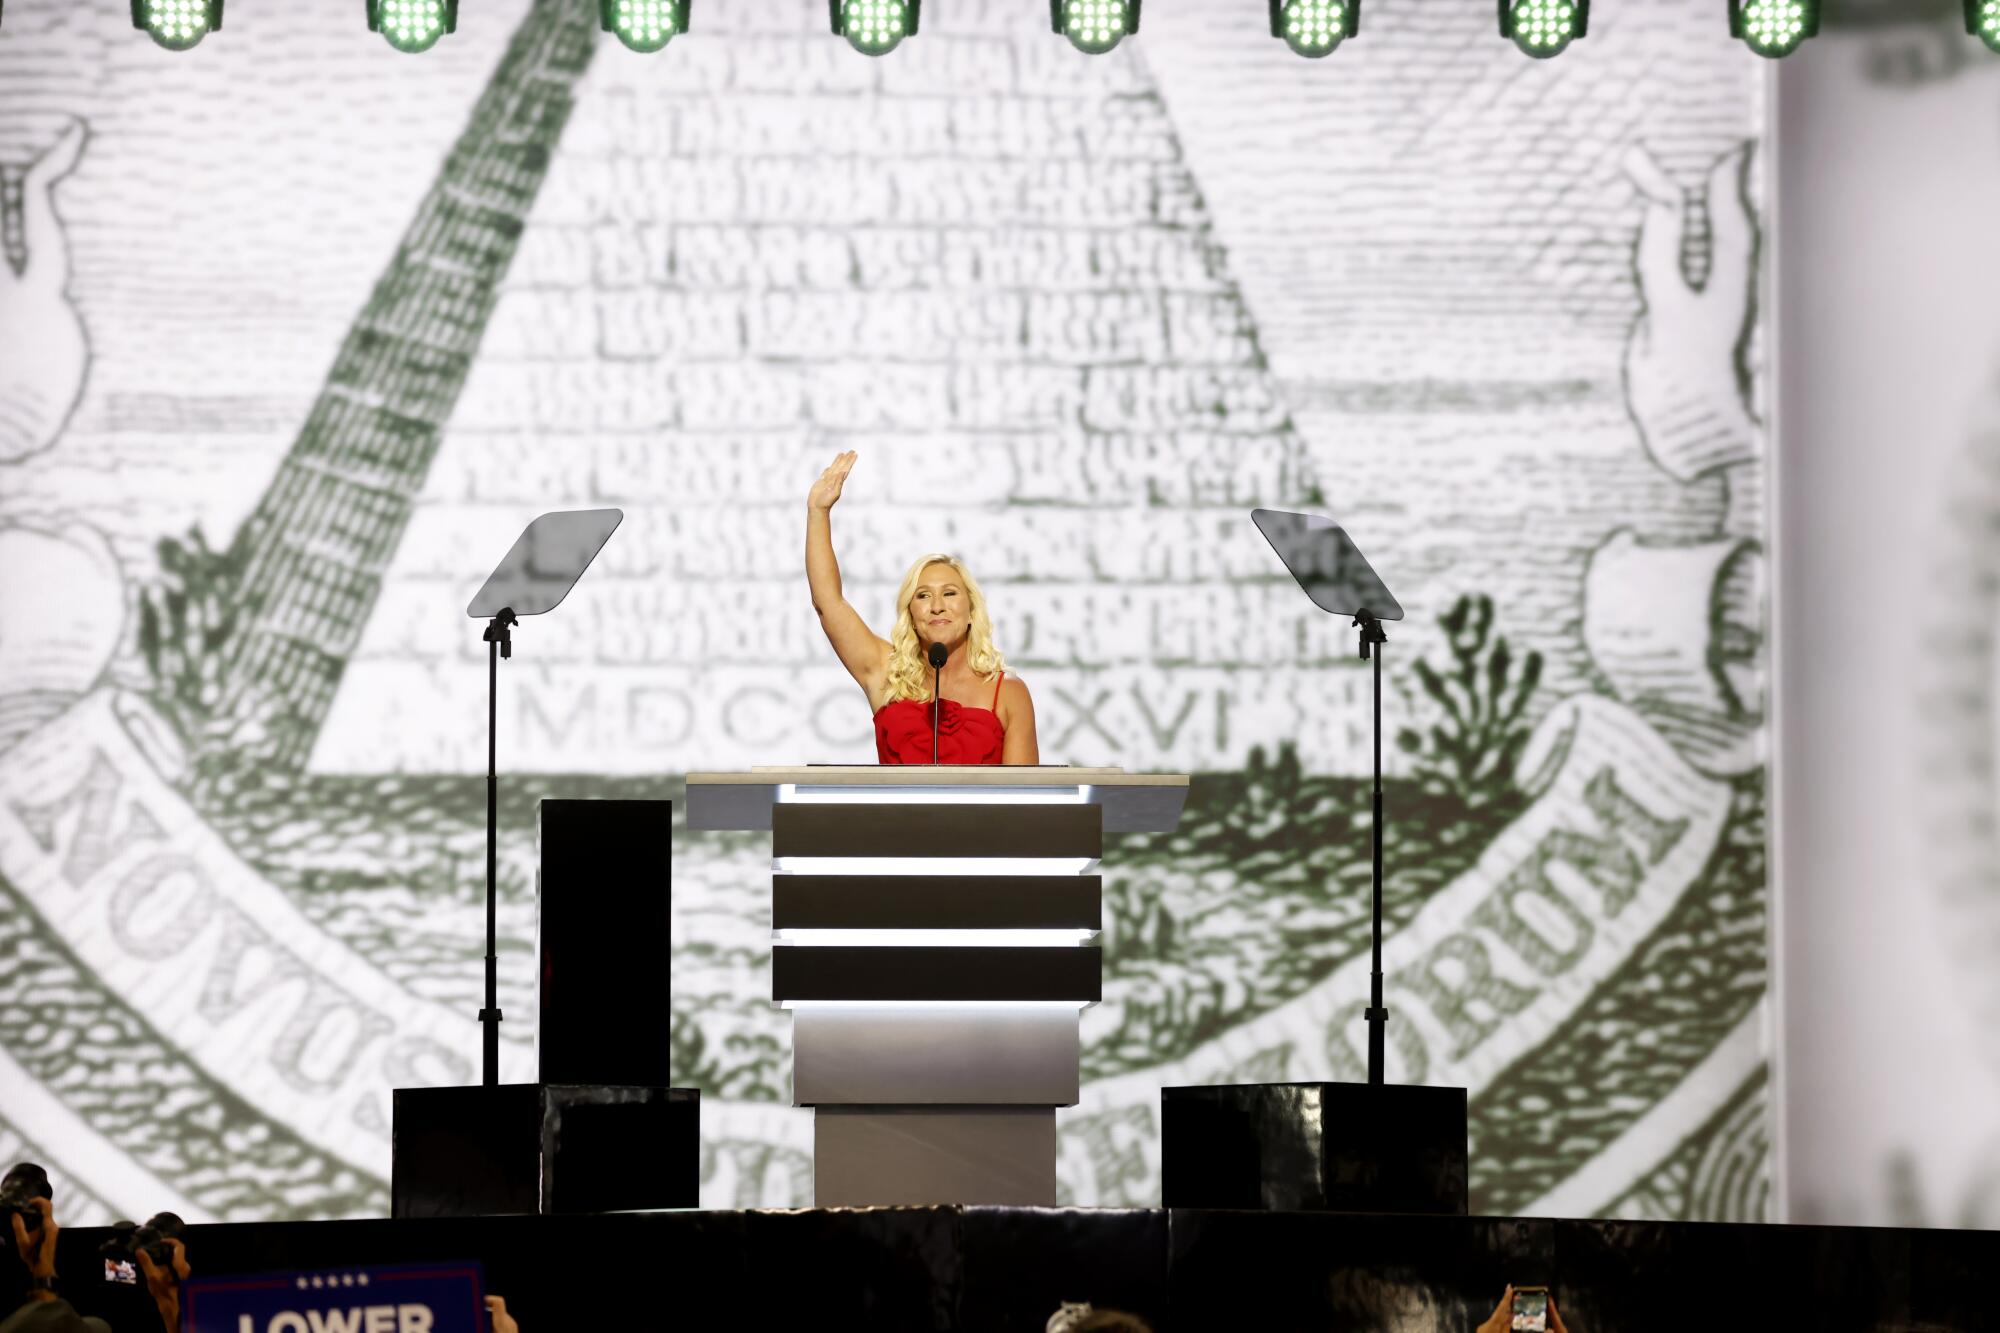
937 688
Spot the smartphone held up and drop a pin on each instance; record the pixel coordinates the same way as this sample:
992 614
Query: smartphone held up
1531 1310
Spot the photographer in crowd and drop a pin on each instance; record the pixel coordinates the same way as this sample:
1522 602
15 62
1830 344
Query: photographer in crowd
31 1215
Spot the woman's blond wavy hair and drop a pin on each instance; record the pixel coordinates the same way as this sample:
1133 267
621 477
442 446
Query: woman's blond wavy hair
909 674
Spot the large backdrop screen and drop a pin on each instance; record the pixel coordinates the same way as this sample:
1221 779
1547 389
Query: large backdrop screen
296 332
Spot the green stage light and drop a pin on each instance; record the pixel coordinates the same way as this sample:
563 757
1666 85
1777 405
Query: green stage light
874 27
1094 26
644 25
1544 28
1773 27
413 25
1313 28
177 24
1982 20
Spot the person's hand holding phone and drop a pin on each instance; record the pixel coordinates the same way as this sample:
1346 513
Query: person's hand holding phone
1502 1318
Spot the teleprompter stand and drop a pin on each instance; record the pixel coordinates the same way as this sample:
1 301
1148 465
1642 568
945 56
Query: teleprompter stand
600 1131
537 573
1363 1147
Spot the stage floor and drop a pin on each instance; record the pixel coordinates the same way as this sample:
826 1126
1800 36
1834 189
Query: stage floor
1009 1269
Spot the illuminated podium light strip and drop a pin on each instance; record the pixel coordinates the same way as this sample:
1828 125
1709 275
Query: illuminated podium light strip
945 1006
792 793
752 800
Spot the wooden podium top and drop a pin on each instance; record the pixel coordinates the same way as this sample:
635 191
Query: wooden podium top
1133 802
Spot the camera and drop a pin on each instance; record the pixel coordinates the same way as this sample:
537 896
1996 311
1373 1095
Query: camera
19 1189
152 1238
120 1264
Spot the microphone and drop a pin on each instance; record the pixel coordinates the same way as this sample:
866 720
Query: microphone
938 654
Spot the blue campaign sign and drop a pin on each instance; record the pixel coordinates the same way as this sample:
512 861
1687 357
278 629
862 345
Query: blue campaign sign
404 1298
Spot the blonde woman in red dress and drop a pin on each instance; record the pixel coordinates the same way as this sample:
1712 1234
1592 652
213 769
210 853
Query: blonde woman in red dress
985 716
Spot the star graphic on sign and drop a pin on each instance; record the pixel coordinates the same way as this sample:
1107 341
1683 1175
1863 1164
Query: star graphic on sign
361 1279
318 1281
302 1284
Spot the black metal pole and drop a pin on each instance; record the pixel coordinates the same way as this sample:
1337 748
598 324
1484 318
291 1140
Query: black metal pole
498 645
1378 1016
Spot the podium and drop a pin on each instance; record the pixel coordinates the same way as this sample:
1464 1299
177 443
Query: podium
933 937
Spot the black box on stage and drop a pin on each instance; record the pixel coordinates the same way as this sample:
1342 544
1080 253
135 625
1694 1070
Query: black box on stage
603 928
1345 1147
601 1131
544 1148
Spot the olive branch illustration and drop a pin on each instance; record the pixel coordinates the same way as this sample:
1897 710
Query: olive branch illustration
1472 750
185 620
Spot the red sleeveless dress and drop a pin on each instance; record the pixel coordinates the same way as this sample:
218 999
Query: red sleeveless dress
966 735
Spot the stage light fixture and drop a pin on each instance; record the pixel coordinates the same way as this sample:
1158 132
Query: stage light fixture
1094 26
1544 28
1313 28
1773 28
177 24
1982 20
874 27
644 25
413 25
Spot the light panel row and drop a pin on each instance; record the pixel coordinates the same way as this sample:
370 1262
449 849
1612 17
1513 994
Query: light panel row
1312 28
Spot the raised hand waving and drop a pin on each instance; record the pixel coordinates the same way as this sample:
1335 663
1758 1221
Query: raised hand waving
826 491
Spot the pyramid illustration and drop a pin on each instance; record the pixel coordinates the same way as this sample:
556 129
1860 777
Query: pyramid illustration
982 263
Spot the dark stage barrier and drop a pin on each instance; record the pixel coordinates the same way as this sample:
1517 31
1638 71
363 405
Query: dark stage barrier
1009 1268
